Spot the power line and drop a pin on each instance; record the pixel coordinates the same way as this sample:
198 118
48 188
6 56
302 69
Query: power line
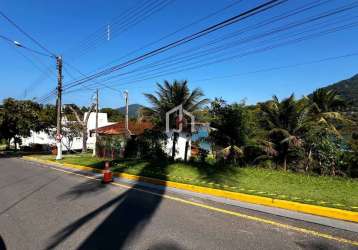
283 67
16 43
78 71
186 39
259 50
324 14
94 36
174 32
26 34
214 13
128 21
296 11
13 43
264 70
125 18
235 43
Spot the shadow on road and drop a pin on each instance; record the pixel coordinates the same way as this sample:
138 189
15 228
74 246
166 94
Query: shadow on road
18 153
133 209
89 187
2 244
165 246
311 245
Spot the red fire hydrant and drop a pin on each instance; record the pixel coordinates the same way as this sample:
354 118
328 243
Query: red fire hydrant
107 173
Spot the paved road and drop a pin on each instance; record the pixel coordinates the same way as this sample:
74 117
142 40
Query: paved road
43 208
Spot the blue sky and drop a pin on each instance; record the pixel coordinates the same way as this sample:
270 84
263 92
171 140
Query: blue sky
64 26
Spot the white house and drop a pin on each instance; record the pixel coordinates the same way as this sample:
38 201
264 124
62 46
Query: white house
183 144
136 128
47 139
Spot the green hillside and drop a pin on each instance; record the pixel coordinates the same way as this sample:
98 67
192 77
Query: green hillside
348 89
132 110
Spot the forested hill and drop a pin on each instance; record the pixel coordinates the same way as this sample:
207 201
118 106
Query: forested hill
132 110
348 89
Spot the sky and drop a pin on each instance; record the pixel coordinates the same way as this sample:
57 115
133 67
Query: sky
250 60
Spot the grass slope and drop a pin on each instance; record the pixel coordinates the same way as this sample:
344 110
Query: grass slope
327 191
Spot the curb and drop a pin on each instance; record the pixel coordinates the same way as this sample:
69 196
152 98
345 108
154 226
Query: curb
333 213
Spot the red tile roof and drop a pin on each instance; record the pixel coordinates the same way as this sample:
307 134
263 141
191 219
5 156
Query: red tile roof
135 128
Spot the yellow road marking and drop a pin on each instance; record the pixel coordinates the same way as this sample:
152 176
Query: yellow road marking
224 211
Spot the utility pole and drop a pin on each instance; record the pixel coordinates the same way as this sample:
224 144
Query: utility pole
96 135
59 107
126 117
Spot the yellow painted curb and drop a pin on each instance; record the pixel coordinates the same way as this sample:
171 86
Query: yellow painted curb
289 205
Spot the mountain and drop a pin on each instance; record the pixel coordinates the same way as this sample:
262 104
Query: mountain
132 110
348 89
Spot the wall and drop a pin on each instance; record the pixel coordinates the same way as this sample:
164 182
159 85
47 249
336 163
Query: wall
43 138
180 145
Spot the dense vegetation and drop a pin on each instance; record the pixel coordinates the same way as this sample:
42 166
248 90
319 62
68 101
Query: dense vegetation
312 134
18 118
301 135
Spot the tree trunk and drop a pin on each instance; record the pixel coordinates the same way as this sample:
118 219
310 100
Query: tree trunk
175 138
186 151
84 139
308 159
333 170
285 163
8 144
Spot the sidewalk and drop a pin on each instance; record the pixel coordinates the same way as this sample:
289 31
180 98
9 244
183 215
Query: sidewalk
216 196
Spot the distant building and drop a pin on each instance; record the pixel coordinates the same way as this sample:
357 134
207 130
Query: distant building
136 128
47 139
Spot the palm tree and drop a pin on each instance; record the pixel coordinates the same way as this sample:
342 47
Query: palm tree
327 100
285 120
325 107
170 95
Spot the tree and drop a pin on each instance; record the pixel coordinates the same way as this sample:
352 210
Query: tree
17 119
114 115
325 107
327 100
325 148
168 96
83 123
48 117
70 131
285 121
232 127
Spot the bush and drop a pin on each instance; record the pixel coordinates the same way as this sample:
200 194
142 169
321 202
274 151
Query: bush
203 153
148 145
109 146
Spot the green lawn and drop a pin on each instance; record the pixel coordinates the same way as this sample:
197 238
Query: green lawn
80 159
319 190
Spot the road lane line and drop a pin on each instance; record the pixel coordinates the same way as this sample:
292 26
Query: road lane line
224 211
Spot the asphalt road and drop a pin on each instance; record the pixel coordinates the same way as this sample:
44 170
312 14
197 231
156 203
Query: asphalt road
43 208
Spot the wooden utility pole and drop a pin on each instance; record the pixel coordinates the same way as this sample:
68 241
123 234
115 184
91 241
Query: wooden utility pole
96 135
126 117
59 104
